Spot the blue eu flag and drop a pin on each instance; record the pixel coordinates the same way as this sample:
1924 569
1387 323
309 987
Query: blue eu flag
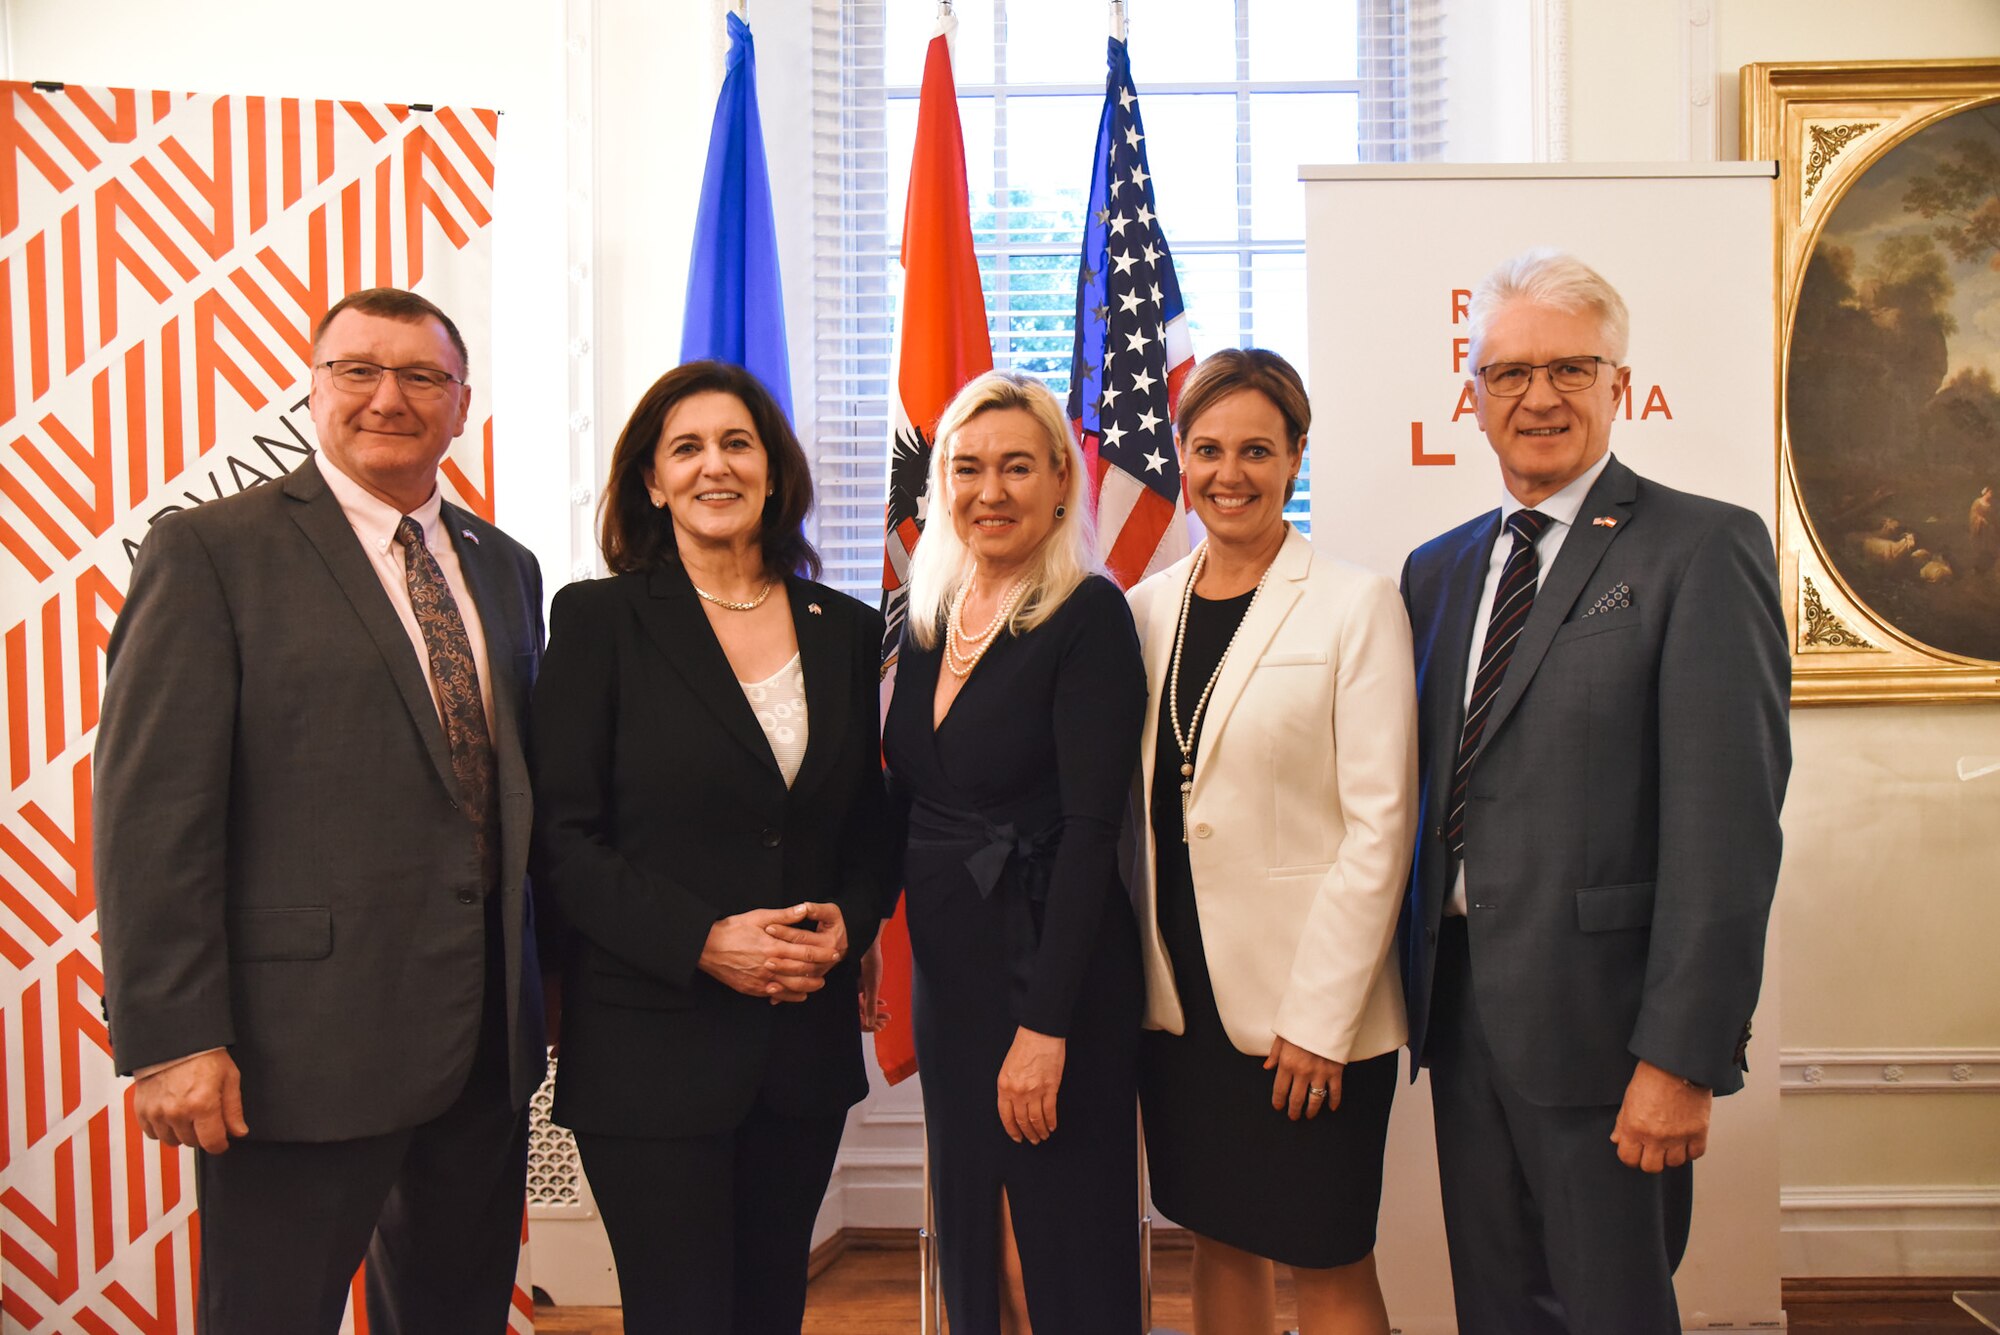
735 302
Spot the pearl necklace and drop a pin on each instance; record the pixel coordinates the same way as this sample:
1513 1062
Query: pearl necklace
961 664
750 606
1184 738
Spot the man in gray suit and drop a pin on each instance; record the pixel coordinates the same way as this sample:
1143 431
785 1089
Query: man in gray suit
1602 691
312 829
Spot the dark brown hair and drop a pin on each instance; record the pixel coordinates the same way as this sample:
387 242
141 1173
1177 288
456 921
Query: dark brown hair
1223 373
635 536
393 303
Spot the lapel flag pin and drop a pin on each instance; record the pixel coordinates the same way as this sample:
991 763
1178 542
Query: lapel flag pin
469 536
813 608
1605 521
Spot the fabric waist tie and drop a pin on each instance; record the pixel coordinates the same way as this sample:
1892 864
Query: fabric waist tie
1000 858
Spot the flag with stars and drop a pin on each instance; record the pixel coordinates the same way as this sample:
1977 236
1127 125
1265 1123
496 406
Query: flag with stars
1132 348
941 343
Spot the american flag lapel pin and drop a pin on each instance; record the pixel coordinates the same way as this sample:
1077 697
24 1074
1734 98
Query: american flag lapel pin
1605 521
813 608
469 536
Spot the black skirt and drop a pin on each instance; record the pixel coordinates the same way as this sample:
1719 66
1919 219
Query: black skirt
1224 1163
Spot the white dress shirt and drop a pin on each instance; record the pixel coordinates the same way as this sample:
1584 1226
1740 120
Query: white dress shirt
1561 509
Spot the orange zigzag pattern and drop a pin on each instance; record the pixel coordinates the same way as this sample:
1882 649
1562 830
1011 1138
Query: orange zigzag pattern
163 259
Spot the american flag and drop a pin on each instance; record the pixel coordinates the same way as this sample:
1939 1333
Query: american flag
1132 348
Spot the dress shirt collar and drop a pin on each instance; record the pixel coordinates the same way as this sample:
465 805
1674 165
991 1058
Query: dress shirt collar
373 519
1562 507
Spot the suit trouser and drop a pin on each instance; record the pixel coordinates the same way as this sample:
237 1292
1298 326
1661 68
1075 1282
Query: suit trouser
435 1209
1549 1233
711 1234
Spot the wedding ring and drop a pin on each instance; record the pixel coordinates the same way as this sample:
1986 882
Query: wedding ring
1315 1091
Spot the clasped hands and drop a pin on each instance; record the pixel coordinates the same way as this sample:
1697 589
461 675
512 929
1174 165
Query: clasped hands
762 953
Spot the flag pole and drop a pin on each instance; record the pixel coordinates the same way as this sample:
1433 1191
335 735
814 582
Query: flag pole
1118 20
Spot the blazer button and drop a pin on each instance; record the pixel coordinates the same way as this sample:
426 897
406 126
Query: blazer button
467 897
769 838
1201 831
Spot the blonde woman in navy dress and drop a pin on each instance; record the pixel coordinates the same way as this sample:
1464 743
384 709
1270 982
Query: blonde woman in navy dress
1010 744
1278 780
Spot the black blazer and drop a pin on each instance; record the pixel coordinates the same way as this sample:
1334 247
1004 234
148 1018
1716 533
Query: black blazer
659 810
282 866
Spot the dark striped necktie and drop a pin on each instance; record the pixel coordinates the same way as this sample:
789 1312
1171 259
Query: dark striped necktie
456 678
1512 602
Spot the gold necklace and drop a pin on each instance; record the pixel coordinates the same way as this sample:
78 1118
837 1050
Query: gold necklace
1184 738
961 664
750 606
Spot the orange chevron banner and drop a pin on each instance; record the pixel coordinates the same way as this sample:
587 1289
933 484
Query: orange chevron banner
164 257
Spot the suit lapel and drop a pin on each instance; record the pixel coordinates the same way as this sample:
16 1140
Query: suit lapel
1450 651
1268 612
672 617
828 665
1582 549
320 518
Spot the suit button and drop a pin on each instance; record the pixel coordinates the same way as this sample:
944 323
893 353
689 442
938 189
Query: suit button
1201 831
467 897
769 838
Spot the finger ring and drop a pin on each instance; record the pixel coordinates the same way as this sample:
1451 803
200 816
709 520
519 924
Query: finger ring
1315 1091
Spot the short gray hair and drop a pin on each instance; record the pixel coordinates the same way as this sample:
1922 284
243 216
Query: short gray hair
1545 276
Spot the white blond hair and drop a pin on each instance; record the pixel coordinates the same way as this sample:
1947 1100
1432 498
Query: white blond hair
1545 276
942 563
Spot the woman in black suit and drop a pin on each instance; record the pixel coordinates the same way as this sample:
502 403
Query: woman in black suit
713 831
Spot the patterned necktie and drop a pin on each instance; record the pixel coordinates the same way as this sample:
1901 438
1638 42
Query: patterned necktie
1511 604
457 680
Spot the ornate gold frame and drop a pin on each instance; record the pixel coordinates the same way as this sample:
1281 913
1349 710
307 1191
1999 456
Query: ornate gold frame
1826 124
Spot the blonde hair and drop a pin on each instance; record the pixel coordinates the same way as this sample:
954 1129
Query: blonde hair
942 563
1545 276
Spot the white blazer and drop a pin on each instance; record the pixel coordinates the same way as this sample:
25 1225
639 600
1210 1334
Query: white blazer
1303 813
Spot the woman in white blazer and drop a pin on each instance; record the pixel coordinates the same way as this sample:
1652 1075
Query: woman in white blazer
1278 791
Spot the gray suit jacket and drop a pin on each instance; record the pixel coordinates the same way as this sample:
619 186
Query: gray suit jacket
282 868
1621 830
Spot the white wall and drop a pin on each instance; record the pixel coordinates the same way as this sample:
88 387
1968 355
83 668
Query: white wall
1886 904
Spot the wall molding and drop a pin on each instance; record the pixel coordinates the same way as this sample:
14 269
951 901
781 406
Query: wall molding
1890 1230
1548 74
1889 1070
1699 139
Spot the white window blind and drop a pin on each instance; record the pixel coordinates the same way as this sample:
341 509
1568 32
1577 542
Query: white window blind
1236 94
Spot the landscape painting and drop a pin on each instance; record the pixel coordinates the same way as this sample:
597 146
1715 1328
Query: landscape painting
1892 407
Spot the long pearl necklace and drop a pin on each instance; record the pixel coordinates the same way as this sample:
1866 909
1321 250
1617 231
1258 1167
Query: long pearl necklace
750 606
1184 737
961 664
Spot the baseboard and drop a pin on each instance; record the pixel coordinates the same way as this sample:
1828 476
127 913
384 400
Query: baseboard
1883 1288
1931 1233
827 1253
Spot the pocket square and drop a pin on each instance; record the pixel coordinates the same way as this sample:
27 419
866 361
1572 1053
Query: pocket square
1613 599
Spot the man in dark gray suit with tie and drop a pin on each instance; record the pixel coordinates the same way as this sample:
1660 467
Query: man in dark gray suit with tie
311 845
1602 693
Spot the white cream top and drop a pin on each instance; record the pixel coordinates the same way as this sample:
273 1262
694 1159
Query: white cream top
780 704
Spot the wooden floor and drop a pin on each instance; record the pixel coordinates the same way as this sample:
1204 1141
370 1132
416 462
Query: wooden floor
871 1289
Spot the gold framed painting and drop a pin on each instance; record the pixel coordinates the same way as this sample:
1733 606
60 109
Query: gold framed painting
1888 244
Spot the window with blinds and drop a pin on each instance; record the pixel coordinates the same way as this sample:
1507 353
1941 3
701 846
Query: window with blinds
1236 94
